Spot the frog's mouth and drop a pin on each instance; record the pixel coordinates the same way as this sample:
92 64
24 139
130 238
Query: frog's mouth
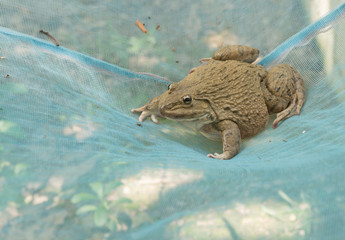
202 117
183 113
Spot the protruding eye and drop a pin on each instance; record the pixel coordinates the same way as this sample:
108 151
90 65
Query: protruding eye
187 99
169 86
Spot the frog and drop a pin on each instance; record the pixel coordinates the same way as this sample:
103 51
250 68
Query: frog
229 97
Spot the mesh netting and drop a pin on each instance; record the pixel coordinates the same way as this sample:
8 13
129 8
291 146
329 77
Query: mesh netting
76 164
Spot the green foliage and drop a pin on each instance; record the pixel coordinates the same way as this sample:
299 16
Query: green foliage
17 88
100 216
11 129
20 167
145 43
80 197
95 202
9 193
86 209
97 187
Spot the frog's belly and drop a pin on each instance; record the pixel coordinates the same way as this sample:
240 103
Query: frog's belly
250 126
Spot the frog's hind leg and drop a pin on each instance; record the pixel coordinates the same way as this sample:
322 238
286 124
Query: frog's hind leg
284 92
234 52
237 52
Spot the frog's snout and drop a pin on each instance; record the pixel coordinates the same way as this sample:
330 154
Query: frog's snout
165 109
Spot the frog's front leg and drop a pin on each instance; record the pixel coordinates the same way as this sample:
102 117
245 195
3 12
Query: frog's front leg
150 109
231 138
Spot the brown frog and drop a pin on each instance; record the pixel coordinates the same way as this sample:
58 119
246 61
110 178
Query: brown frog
230 98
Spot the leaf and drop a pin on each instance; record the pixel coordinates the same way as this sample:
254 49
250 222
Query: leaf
4 164
17 88
269 211
119 163
97 187
5 126
11 129
20 167
85 209
111 186
284 196
123 200
80 197
100 216
124 218
111 225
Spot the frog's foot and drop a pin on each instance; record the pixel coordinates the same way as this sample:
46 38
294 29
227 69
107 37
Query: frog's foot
223 156
231 137
150 109
145 114
293 109
285 95
203 61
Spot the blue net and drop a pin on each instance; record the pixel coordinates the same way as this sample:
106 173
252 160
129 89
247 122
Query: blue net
76 164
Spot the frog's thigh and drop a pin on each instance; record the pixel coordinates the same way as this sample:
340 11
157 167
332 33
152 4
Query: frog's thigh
231 137
278 85
237 52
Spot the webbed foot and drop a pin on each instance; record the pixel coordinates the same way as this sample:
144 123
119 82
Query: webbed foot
150 109
231 137
222 156
145 114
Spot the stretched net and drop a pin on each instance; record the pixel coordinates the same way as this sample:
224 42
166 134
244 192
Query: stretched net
76 164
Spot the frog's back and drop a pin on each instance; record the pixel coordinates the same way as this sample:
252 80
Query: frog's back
233 90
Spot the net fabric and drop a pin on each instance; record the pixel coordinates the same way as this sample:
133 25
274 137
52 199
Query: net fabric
74 164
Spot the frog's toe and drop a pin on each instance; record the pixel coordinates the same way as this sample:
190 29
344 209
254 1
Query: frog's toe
205 60
154 118
139 110
218 156
144 115
192 70
215 155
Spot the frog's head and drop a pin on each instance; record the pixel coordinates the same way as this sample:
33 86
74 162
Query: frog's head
186 100
183 103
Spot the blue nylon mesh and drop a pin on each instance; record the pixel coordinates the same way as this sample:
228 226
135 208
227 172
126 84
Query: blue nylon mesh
74 164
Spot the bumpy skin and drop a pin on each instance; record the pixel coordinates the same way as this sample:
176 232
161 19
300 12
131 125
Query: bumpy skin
229 98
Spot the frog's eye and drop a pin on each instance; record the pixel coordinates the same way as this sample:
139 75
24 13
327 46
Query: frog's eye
187 99
169 86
